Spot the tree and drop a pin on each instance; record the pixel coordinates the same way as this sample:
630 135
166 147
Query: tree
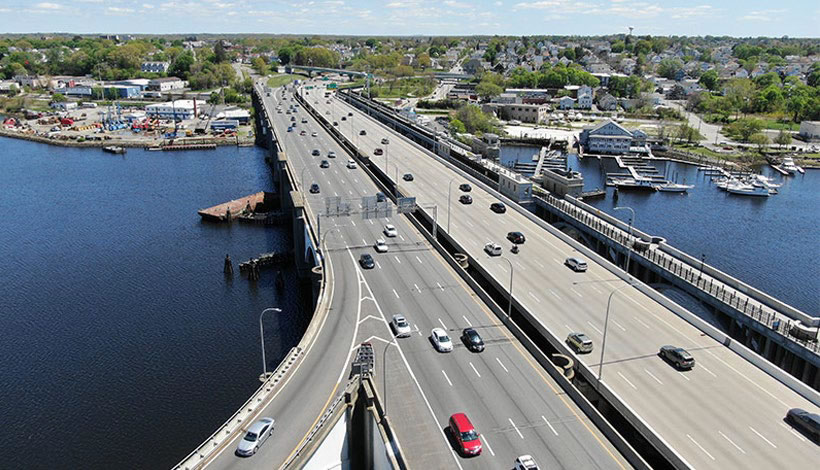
743 129
488 90
688 133
783 138
709 79
669 67
58 98
760 140
474 119
260 66
220 54
740 93
423 60
457 126
181 65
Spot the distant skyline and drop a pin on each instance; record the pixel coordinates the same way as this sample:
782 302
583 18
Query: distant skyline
744 18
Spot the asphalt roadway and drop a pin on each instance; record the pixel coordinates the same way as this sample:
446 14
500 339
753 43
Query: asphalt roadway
513 403
725 413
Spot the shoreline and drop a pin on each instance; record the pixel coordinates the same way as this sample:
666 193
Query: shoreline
131 143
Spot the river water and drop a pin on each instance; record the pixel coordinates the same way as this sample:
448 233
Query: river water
770 243
122 344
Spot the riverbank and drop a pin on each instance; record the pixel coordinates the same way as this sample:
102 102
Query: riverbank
64 141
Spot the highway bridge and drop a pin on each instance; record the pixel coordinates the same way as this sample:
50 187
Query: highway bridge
726 413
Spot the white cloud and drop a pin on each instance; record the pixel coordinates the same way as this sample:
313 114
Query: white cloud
147 6
455 4
49 6
119 10
763 15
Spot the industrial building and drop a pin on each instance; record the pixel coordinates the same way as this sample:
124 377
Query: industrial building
155 67
533 113
166 84
179 109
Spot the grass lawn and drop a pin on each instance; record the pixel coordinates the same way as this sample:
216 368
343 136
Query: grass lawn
701 150
404 88
284 79
769 123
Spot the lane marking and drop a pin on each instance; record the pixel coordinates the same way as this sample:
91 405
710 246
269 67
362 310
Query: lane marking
627 381
419 260
550 425
516 428
397 259
396 293
448 378
520 266
475 370
467 320
417 329
618 325
707 370
556 295
576 292
684 376
487 443
747 378
417 287
762 437
364 242
534 297
378 265
594 327
439 285
700 447
651 375
402 237
442 324
502 268
502 365
371 221
539 265
732 442
642 323
796 434
352 222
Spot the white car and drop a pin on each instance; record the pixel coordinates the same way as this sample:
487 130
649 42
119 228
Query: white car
525 462
257 434
331 154
380 246
351 164
493 249
313 134
441 341
400 326
390 231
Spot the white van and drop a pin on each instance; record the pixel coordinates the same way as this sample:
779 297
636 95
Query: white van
576 264
493 249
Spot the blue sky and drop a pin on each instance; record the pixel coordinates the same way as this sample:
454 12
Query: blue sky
797 18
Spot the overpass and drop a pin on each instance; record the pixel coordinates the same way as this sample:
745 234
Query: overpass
515 403
726 413
311 70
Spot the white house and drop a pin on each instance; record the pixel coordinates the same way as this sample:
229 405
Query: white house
155 67
584 100
610 137
566 102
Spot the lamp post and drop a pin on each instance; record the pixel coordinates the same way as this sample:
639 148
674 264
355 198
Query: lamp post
324 239
606 324
384 374
509 306
387 159
449 189
262 340
702 260
629 246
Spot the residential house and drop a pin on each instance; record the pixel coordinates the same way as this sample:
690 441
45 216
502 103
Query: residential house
31 81
584 100
155 67
607 102
532 113
566 102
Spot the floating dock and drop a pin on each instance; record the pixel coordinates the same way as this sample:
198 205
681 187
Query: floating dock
229 211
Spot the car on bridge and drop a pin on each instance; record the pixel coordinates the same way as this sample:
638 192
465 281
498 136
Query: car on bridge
806 422
493 249
472 340
304 120
516 237
498 207
314 134
324 164
390 231
350 114
380 197
378 151
302 133
525 462
314 188
441 340
400 326
385 141
465 187
407 177
465 199
257 434
579 342
344 118
362 132
576 264
678 357
381 246
335 123
366 261
465 435
331 154
351 164
315 152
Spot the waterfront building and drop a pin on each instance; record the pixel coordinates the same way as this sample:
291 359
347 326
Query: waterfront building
611 137
179 109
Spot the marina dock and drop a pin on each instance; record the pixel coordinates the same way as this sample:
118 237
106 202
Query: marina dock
231 210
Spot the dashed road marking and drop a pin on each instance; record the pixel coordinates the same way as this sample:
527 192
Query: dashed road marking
762 437
502 365
397 259
556 295
651 375
419 260
475 370
796 434
396 294
534 297
487 443
417 287
594 327
516 428
731 442
378 265
439 285
627 381
550 425
618 325
467 320
448 378
642 323
700 447
442 324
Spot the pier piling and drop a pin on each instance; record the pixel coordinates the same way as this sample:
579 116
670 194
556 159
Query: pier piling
228 268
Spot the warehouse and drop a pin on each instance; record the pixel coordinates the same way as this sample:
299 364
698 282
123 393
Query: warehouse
166 84
181 109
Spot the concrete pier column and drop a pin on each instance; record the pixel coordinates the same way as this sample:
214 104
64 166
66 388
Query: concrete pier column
228 266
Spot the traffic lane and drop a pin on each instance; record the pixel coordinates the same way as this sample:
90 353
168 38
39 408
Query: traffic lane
292 422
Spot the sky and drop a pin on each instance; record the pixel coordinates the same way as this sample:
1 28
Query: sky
742 18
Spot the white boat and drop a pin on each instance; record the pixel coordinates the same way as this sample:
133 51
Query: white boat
632 183
670 187
790 167
744 189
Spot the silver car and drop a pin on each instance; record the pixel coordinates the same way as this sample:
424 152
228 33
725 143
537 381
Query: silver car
257 434
400 326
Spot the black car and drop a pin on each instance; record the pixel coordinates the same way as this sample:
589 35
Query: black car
350 114
808 423
678 357
472 340
465 187
498 207
324 164
314 188
465 199
516 237
407 177
367 261
335 123
344 118
380 197
362 132
316 152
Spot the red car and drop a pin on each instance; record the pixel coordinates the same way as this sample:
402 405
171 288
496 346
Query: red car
465 434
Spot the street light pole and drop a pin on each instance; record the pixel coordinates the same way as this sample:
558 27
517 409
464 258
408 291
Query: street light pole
384 374
702 260
449 189
262 340
606 324
629 246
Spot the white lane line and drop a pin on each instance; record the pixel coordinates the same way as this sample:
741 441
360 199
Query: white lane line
475 370
487 443
470 223
709 371
556 295
556 260
595 289
402 237
397 259
353 223
335 194
419 260
502 365
516 428
796 434
396 293
356 180
502 268
576 292
651 375
417 329
467 320
448 378
747 378
439 285
700 447
618 325
378 265
417 287
594 327
732 442
364 242
627 381
371 221
442 324
534 297
568 328
761 436
520 266
550 425
684 376
642 323
539 265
